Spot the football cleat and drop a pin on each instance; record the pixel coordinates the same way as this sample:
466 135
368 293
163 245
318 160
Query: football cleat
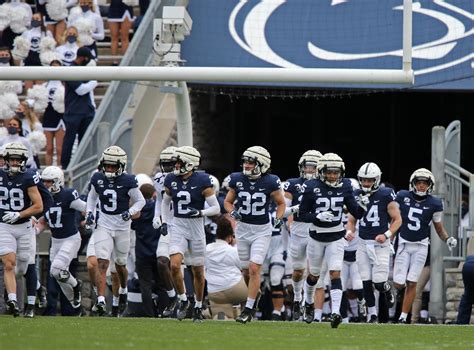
336 320
197 315
402 321
41 295
182 310
101 308
13 308
373 319
77 294
29 311
115 311
308 312
169 310
276 317
122 303
297 312
245 316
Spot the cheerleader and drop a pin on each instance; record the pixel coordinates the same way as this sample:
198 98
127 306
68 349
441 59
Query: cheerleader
120 20
68 50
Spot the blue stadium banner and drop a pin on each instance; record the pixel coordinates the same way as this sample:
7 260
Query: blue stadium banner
356 34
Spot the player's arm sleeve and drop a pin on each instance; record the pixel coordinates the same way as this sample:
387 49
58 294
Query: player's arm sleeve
92 199
79 205
137 199
214 207
159 200
165 204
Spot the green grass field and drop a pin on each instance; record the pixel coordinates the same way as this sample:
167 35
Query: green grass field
128 333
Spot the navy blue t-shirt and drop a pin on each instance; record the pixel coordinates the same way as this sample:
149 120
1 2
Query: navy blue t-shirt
187 194
417 215
376 220
146 236
253 196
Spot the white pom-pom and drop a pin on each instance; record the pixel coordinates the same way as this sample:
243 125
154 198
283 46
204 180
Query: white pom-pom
40 95
130 2
85 27
57 9
5 16
14 86
58 99
37 140
21 47
5 110
74 14
47 44
47 57
19 20
11 100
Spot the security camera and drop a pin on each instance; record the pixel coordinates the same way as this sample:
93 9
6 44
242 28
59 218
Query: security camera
176 19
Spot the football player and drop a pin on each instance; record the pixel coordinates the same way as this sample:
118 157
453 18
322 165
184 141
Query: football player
114 189
418 209
322 204
167 161
188 190
19 201
299 230
253 188
381 221
66 239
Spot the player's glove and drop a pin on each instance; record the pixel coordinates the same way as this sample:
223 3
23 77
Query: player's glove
236 215
363 200
277 223
325 216
452 243
89 219
295 209
194 213
10 217
164 229
156 222
126 215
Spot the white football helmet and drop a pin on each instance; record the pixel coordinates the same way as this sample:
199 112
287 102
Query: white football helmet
422 174
168 159
331 162
369 171
189 159
113 155
143 179
260 157
215 183
15 150
55 174
309 158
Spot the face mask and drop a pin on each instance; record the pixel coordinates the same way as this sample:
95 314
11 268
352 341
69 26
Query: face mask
20 115
12 130
85 8
35 23
4 59
71 39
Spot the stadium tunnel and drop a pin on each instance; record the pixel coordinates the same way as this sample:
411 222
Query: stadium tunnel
392 129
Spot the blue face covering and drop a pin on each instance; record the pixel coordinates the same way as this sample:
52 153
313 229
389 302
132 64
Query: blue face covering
35 23
12 130
85 8
71 39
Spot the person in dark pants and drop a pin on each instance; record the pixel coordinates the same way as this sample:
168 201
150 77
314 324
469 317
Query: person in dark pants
79 106
145 249
467 299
